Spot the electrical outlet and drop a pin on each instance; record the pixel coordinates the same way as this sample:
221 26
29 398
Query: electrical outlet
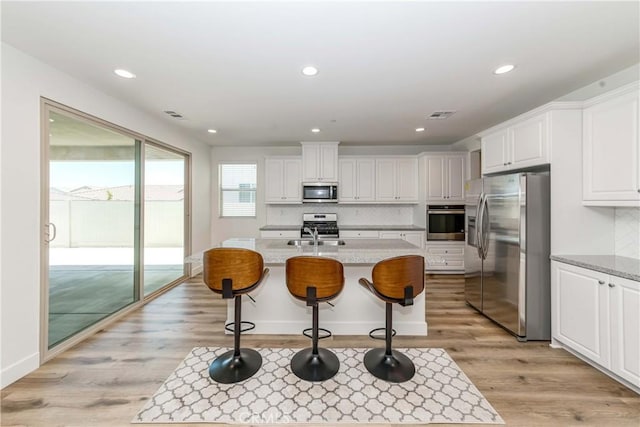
281 212
357 212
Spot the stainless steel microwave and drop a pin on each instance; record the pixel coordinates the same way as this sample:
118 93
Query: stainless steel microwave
319 192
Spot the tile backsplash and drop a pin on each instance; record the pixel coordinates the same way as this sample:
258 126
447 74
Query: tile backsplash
627 232
347 215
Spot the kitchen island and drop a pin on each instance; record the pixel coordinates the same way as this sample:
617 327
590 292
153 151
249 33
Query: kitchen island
355 311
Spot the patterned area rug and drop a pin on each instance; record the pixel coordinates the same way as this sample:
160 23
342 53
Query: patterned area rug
438 393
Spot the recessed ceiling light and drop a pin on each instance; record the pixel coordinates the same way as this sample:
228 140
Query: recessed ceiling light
310 71
419 129
212 131
51 120
124 73
504 69
315 130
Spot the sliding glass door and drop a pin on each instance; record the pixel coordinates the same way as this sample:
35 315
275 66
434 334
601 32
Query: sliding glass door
164 216
93 199
115 217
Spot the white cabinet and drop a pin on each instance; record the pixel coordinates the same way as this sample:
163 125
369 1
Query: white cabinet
359 234
611 153
444 256
445 175
357 177
416 238
282 180
597 316
521 145
625 328
319 161
397 180
280 234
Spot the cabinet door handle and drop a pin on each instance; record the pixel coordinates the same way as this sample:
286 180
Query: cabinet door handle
600 282
611 285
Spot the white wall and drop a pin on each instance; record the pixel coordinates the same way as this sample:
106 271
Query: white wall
224 228
24 81
575 229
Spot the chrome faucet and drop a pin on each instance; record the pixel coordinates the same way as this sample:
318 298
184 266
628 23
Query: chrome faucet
313 233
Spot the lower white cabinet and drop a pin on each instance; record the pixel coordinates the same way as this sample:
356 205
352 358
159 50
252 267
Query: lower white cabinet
444 256
597 316
414 237
359 234
280 234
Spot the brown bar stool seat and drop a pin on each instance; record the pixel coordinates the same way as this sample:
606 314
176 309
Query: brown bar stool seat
233 272
395 281
314 279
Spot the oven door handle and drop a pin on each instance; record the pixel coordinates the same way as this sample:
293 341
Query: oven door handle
456 212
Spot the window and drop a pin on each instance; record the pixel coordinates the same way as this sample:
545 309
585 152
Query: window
238 189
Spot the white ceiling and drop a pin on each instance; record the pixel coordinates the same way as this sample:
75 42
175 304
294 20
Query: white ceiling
384 66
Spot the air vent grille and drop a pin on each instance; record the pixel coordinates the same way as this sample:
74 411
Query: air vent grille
174 114
439 115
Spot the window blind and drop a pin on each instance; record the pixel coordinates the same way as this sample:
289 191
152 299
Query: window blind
238 190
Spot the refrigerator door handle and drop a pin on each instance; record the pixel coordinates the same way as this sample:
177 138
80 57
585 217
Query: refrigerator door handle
485 233
479 226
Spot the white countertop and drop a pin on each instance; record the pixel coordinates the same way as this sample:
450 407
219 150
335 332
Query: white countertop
355 251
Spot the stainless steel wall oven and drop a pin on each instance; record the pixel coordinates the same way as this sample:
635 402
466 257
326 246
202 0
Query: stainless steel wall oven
445 222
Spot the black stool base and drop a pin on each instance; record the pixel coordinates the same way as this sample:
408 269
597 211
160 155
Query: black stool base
228 369
318 367
396 368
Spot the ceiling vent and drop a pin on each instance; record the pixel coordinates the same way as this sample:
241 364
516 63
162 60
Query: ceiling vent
438 115
175 115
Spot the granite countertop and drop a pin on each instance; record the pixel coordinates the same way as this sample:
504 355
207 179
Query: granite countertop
347 227
629 268
355 251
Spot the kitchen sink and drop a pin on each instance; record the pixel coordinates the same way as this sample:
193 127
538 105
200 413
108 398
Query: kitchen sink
301 242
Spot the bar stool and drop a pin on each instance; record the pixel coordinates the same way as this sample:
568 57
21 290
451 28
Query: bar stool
314 279
395 280
233 272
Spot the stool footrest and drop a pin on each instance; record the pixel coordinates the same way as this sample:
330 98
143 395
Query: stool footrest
250 325
309 333
377 337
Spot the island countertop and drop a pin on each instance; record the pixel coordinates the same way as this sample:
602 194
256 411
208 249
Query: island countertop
354 251
356 311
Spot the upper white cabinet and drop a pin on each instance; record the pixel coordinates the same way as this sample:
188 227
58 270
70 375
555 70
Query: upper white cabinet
611 157
397 180
283 182
319 161
597 315
445 175
357 177
521 145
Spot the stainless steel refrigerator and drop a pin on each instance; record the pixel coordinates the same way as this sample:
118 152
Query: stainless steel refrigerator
506 255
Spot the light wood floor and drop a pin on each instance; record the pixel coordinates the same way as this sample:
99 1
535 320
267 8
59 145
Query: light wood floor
106 379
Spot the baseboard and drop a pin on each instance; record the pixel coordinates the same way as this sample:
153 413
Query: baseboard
14 372
196 270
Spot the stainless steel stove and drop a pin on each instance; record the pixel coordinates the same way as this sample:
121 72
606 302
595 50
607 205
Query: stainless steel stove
326 224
